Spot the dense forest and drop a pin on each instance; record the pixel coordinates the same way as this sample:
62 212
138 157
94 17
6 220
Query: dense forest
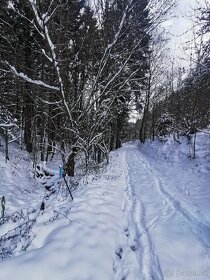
71 73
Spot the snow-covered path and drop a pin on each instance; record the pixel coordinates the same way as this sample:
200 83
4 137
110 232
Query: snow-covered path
170 241
125 224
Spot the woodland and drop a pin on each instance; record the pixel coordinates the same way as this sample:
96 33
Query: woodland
72 73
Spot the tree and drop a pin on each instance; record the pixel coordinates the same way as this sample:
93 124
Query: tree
71 73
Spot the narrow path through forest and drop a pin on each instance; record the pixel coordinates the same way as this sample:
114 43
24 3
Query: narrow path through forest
166 239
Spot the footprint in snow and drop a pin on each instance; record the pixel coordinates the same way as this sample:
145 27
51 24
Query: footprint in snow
119 252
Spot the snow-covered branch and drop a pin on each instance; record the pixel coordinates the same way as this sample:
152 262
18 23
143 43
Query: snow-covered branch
105 58
7 125
28 79
43 26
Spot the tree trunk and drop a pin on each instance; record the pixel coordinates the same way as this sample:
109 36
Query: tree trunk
118 140
194 141
141 131
27 121
112 138
6 145
70 165
28 101
153 123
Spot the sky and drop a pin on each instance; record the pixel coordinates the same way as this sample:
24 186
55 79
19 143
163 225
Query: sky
180 29
179 26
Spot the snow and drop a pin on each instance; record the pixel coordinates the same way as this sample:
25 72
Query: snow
29 80
177 236
82 246
145 215
7 125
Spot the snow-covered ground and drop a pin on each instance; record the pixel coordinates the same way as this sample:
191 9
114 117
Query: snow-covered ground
146 215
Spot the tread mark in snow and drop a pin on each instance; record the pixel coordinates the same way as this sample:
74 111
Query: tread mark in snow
200 229
137 245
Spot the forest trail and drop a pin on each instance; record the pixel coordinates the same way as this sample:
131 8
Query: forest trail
125 224
166 238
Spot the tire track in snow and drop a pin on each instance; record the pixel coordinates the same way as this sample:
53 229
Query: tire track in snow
136 257
127 264
150 262
200 229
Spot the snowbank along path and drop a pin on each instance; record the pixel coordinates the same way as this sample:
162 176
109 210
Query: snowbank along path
82 245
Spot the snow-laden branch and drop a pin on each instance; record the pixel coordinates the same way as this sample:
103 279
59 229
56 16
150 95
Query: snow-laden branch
43 26
15 139
96 137
7 125
47 56
49 102
113 78
24 17
29 80
48 15
107 51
